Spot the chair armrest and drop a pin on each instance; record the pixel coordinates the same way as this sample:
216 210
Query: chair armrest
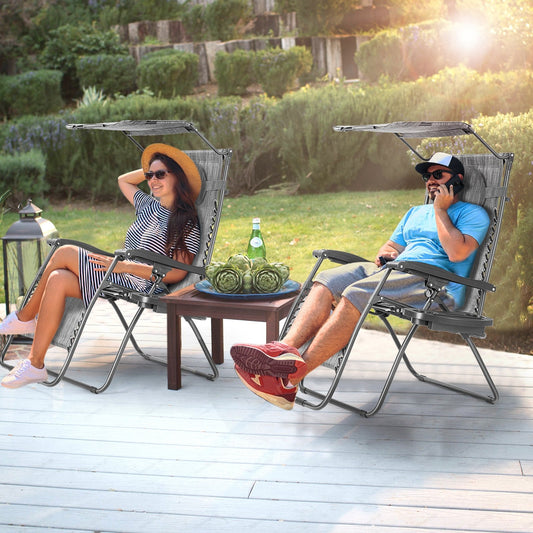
63 242
338 257
426 271
161 263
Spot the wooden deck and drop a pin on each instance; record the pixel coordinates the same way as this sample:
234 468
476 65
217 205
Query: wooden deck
212 457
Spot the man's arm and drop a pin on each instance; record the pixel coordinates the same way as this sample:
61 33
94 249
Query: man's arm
390 250
457 245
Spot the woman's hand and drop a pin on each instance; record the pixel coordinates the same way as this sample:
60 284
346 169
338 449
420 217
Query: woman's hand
103 262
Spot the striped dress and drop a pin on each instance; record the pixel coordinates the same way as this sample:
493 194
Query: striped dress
148 232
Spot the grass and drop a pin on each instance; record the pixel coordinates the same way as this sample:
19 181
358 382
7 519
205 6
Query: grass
292 226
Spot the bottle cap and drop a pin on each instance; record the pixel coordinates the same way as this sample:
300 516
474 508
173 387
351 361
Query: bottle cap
256 221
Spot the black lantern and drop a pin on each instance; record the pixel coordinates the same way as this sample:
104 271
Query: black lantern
25 249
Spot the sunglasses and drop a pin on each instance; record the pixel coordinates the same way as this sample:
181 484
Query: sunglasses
158 174
437 174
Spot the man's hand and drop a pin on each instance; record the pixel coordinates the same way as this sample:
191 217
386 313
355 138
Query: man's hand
444 198
389 251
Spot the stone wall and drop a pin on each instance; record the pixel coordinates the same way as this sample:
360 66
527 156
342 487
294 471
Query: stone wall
332 56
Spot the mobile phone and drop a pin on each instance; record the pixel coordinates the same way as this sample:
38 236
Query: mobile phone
457 183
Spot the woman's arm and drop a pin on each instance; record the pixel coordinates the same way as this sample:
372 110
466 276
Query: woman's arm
103 262
128 183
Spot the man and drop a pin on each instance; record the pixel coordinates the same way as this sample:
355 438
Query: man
444 233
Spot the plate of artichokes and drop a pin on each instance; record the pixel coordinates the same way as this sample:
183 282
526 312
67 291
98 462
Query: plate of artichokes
243 278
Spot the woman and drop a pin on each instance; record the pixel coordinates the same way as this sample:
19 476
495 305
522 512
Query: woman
166 223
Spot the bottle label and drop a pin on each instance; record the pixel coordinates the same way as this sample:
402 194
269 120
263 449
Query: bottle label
256 242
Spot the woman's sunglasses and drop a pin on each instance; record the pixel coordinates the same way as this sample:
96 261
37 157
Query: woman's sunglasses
437 174
158 174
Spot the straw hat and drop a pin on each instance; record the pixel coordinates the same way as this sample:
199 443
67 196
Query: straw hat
183 160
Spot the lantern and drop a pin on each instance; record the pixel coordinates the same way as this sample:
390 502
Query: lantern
25 249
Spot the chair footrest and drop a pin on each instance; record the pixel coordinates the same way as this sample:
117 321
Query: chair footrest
449 321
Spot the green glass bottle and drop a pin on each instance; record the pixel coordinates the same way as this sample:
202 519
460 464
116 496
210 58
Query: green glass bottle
256 244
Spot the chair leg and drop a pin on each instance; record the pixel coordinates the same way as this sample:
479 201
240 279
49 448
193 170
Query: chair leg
153 359
490 399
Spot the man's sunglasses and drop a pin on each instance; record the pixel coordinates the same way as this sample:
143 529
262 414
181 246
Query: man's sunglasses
437 174
158 174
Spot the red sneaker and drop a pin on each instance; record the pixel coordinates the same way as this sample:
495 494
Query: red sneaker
273 359
269 388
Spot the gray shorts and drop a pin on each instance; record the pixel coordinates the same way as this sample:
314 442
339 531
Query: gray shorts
357 282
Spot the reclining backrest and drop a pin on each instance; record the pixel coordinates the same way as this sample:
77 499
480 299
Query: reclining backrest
484 185
213 171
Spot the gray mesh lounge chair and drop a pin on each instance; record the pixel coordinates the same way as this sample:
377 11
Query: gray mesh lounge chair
486 180
213 165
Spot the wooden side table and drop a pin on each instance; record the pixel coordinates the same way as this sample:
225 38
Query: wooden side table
193 303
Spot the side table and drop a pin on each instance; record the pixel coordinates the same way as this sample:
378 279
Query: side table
193 303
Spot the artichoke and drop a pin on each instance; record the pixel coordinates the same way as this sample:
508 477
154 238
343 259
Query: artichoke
227 279
212 268
267 279
258 262
283 270
247 282
240 261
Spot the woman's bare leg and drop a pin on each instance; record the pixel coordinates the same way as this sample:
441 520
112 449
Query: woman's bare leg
65 258
60 284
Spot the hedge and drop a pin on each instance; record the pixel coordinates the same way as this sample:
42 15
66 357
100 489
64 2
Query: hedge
234 72
277 70
111 73
168 72
35 92
23 174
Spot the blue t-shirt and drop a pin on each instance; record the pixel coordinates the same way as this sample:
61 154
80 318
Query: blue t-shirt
417 232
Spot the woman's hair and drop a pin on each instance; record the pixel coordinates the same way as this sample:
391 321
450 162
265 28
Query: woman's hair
183 215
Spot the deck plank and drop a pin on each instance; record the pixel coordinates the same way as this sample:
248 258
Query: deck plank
213 457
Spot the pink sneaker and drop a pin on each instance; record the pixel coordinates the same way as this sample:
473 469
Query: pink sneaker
269 388
11 325
273 359
24 373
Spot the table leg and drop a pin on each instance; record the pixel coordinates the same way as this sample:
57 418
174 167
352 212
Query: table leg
173 349
217 340
272 328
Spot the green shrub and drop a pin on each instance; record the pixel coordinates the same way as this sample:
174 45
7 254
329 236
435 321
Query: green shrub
168 73
194 21
234 72
512 305
34 92
224 16
23 174
277 70
316 17
67 43
111 73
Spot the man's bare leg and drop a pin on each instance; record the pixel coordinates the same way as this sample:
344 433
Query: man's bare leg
311 317
332 336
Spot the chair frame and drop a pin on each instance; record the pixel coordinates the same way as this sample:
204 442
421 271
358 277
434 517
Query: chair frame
161 266
466 323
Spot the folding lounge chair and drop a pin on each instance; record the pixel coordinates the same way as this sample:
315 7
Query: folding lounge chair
486 181
213 165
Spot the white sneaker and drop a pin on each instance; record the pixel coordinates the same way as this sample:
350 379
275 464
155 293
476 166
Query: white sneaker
24 373
13 326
